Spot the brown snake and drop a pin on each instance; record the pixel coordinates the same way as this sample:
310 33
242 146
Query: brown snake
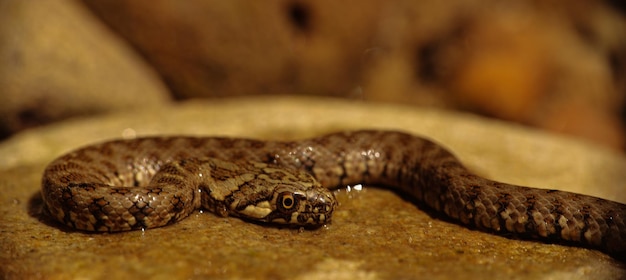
151 182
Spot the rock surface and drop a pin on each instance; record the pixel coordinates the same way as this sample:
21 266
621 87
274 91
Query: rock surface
375 233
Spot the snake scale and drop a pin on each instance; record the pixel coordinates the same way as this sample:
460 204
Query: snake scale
151 182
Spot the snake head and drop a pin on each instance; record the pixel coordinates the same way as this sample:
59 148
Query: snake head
290 204
310 207
268 194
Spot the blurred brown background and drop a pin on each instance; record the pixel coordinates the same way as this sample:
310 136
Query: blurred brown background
556 65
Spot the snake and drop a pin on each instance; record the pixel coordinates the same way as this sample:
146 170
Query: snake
149 182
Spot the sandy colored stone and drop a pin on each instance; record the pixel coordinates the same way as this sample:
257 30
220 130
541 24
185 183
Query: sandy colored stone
375 234
57 61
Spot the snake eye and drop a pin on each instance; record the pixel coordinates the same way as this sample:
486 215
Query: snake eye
286 201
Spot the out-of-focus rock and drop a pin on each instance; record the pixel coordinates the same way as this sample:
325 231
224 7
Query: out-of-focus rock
58 61
531 62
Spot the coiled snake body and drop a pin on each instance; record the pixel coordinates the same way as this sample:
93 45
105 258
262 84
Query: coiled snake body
151 182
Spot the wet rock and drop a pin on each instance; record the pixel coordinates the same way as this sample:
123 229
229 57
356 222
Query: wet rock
375 233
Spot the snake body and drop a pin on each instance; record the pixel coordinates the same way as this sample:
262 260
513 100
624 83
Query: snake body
150 182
